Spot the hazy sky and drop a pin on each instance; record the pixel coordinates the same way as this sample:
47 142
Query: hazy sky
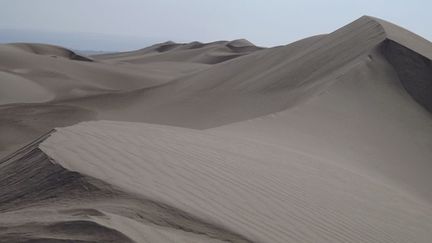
264 22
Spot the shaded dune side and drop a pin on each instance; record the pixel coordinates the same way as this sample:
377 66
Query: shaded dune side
410 55
167 47
242 45
79 231
30 181
413 69
21 124
28 178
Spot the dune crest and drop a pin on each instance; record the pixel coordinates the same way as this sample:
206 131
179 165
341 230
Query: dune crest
194 52
50 50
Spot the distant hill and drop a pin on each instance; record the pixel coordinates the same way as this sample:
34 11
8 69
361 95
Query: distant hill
91 52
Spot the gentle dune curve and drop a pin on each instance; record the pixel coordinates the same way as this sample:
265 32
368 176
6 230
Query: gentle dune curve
174 183
265 193
50 50
29 92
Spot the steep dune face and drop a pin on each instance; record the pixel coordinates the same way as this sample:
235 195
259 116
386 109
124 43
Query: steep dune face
414 71
405 37
411 57
326 139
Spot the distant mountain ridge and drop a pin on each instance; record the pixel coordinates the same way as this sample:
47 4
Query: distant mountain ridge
77 41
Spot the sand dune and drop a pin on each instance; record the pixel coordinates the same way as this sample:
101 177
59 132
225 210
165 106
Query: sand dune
266 193
49 50
28 91
69 76
257 84
194 52
327 139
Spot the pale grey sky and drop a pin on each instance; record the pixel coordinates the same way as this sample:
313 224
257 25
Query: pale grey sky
264 22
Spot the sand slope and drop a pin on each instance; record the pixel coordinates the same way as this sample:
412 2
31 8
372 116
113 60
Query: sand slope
200 187
38 73
263 82
68 76
327 139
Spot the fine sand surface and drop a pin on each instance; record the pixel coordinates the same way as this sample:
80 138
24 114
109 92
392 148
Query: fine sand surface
327 139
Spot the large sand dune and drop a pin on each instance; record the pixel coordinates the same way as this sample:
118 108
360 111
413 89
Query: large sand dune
327 139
